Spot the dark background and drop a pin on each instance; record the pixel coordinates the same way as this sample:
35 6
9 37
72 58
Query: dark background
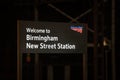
8 58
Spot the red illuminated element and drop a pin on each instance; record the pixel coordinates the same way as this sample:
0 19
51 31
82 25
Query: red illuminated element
28 58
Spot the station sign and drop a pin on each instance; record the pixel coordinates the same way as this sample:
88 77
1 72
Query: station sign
51 37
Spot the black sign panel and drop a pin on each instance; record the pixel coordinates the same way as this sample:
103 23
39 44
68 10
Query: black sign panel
51 37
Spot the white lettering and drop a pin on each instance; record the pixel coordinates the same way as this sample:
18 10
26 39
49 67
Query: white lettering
31 46
47 46
33 30
41 38
65 46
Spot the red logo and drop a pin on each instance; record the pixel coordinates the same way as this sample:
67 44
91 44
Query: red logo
77 28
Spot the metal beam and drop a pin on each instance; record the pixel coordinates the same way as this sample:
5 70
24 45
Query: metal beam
113 41
95 38
50 72
67 72
63 13
81 15
69 17
37 67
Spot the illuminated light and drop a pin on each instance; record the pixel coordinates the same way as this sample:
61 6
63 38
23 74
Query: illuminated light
105 42
28 58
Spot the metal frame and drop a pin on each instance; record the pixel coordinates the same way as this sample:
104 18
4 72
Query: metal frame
95 45
113 41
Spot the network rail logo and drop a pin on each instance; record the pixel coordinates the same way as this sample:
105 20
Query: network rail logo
77 28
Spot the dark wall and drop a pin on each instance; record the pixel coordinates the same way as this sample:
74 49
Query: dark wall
8 43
